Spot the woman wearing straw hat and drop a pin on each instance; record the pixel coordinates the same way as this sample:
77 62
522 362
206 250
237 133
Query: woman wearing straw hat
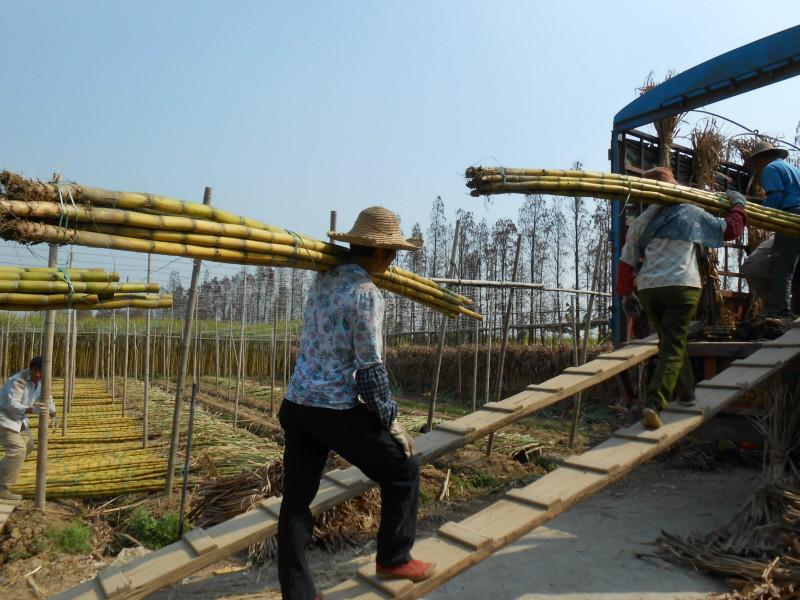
781 181
660 259
339 399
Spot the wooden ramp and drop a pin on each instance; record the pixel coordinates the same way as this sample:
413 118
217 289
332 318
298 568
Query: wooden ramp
202 548
459 545
6 508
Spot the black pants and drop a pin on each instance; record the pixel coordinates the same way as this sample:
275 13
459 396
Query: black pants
358 437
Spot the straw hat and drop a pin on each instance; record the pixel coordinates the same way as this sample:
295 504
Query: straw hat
377 227
660 174
763 149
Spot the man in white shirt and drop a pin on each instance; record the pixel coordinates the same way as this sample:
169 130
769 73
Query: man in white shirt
18 399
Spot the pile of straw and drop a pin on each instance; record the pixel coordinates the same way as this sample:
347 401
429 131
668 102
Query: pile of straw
758 549
34 289
67 213
485 181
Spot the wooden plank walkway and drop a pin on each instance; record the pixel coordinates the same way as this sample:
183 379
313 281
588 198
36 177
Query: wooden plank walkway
6 508
458 546
172 563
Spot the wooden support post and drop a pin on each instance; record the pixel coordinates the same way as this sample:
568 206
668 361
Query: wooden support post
187 459
573 432
146 367
66 363
332 225
97 353
24 361
240 373
285 341
125 363
504 342
216 350
113 356
46 394
442 335
272 360
5 344
475 366
182 366
488 346
74 362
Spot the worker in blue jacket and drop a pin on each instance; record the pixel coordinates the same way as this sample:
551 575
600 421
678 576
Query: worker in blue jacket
781 182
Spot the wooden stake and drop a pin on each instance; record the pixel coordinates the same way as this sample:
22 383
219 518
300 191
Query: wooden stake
97 352
125 364
272 360
573 432
67 346
187 458
442 336
216 350
146 367
74 361
475 366
489 348
113 356
504 342
240 373
182 365
40 496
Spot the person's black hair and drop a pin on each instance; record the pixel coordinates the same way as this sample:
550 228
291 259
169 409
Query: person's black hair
36 363
362 251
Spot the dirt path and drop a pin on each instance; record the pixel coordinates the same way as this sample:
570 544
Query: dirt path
588 553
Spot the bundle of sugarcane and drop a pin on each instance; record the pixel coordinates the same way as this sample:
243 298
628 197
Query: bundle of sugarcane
66 213
35 289
486 181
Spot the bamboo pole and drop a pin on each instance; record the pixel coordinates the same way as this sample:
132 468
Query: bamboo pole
489 350
187 458
5 345
272 358
40 496
585 349
240 372
125 363
114 356
97 353
146 367
66 378
182 365
74 361
216 350
504 342
442 335
475 367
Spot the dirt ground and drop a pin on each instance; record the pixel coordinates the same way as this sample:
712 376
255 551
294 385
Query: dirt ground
588 553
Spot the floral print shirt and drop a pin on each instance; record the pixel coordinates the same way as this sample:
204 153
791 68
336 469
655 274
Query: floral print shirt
341 334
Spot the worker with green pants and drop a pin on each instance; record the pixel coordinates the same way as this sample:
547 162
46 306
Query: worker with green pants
660 259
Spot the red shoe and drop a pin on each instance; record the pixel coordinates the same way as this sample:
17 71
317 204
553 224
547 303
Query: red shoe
415 570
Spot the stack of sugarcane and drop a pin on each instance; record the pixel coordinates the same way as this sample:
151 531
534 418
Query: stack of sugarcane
486 181
101 454
68 213
34 289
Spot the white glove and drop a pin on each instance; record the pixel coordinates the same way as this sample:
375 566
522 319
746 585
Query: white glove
400 435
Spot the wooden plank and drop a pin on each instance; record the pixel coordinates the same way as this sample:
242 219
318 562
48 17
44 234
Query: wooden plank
200 541
354 589
393 588
580 371
477 421
329 494
453 427
771 356
673 424
502 519
743 377
348 478
464 535
500 407
113 581
272 505
611 357
527 497
610 456
545 389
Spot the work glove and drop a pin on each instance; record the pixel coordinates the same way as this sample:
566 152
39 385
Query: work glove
400 435
735 198
631 305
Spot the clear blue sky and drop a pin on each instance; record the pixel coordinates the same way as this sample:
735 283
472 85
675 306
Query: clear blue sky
289 110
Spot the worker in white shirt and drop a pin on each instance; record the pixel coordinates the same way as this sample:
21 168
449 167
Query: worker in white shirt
18 399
